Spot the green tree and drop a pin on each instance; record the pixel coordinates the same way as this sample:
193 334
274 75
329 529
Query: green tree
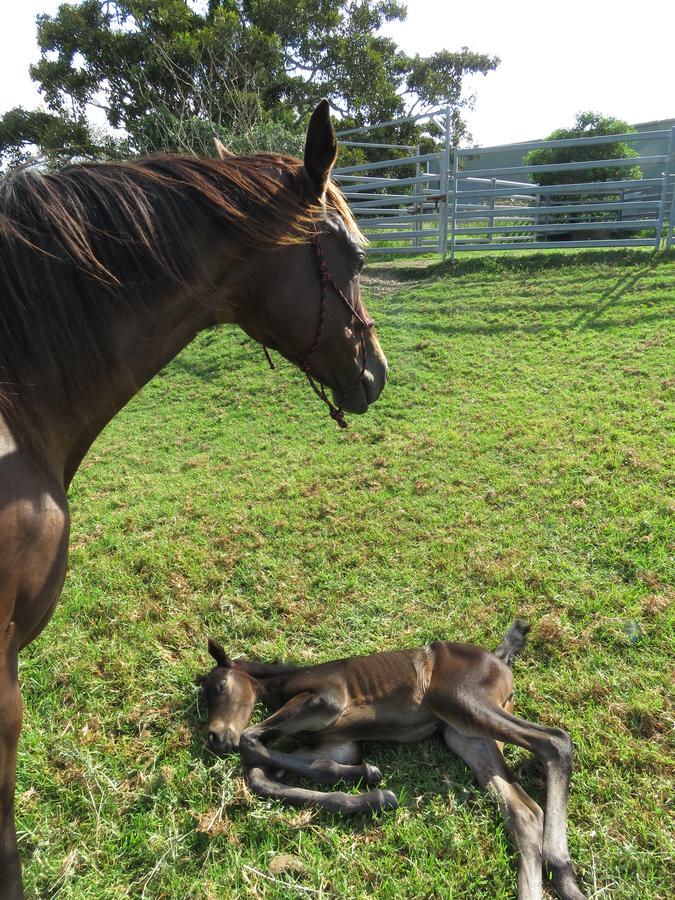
58 136
169 74
587 124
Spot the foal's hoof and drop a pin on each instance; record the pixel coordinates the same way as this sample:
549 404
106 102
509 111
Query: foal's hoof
564 880
371 774
379 800
353 804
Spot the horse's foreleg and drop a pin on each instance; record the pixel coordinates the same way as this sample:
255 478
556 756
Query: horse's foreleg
10 727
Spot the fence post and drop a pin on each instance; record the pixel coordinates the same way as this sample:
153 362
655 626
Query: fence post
416 207
445 170
453 213
664 195
670 225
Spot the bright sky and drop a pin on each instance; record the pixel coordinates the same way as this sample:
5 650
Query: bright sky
610 56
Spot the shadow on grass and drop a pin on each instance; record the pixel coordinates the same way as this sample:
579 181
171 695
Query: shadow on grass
530 263
611 297
590 317
540 328
551 307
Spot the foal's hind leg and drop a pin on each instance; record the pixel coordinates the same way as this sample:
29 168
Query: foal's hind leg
477 716
524 818
346 753
10 727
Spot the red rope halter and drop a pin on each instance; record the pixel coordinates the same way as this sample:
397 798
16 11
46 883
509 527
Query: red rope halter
357 323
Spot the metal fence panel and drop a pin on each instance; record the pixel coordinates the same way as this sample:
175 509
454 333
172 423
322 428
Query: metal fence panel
451 208
621 213
397 212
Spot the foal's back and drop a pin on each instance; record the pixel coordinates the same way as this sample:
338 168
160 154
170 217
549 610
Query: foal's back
386 696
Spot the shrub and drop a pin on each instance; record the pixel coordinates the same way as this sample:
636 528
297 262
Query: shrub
587 124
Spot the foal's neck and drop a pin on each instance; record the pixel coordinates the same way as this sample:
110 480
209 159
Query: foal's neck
268 678
262 671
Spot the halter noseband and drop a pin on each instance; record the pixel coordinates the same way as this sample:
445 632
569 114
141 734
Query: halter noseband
357 323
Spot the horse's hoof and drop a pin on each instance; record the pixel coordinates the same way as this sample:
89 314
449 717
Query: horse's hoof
341 803
564 880
389 800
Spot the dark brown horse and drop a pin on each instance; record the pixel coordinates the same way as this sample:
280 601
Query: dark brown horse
462 691
107 271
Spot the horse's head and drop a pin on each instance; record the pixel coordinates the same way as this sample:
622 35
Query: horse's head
230 698
304 298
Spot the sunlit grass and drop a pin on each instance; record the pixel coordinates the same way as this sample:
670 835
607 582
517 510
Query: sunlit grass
517 464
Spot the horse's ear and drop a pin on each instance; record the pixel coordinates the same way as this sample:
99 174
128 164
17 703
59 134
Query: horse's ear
221 150
320 148
219 654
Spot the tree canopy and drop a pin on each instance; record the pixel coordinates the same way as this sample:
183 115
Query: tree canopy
168 74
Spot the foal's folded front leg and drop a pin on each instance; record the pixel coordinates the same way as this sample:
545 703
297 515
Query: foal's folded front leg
262 783
305 712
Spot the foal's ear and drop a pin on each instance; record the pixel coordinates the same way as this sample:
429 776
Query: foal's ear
320 147
221 150
219 654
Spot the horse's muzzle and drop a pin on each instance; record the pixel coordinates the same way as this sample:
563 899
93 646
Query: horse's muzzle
367 390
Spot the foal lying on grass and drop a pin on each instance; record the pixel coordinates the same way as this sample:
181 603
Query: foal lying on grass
403 696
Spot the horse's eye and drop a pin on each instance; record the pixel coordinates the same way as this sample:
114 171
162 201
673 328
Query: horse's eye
218 689
360 262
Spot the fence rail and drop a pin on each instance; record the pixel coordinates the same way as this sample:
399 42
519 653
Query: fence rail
424 203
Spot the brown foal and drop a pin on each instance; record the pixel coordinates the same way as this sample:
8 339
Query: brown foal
404 696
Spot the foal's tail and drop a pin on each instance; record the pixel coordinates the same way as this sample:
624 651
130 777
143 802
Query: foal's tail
513 641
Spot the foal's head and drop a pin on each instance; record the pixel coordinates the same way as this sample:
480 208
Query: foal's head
230 698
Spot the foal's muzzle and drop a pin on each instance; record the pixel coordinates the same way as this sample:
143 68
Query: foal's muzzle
223 742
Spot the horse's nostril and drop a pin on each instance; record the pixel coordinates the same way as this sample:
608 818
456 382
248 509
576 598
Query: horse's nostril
214 740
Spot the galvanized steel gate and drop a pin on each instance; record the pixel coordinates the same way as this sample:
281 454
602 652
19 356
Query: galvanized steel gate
400 214
439 209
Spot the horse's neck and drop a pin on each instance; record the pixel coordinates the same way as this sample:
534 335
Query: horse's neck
146 339
271 680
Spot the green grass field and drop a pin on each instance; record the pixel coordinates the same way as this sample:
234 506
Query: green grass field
517 464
